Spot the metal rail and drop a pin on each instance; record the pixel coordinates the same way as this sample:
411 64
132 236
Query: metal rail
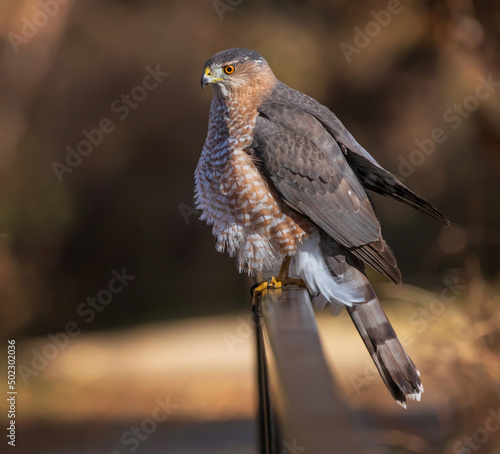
300 408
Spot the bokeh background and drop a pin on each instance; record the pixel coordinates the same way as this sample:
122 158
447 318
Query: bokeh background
397 73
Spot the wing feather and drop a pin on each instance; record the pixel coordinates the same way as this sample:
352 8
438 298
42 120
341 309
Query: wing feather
372 175
305 164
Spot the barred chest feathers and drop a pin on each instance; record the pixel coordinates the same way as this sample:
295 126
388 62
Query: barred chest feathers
248 218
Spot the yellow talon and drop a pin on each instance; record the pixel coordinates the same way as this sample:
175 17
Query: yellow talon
257 290
272 284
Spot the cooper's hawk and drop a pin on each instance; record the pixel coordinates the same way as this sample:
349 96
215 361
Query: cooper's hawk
283 182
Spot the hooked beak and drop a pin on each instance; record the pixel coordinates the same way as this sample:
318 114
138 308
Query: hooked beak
207 78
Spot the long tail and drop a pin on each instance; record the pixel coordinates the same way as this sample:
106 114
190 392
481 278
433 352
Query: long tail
341 280
396 368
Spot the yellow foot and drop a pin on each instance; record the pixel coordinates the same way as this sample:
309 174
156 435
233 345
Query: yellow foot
272 283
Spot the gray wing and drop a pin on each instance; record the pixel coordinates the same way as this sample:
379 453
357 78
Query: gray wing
371 174
379 180
304 163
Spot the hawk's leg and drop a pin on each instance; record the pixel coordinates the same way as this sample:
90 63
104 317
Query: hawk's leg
273 283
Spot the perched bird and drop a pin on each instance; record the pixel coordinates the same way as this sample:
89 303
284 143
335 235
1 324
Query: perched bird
283 183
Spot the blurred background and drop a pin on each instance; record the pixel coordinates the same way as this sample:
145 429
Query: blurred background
125 316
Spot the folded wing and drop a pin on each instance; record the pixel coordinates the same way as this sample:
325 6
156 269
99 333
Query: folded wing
305 164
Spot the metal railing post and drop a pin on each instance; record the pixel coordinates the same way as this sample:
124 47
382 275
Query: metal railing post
300 408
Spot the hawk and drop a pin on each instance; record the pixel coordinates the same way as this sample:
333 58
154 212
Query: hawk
283 184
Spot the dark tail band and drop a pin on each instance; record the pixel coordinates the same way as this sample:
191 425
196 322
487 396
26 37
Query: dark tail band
396 368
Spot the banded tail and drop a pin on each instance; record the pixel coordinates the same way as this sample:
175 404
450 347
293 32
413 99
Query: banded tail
338 278
396 368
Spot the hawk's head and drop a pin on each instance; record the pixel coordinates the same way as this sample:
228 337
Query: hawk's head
236 70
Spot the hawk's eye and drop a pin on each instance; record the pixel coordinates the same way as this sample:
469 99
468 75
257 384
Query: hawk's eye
229 69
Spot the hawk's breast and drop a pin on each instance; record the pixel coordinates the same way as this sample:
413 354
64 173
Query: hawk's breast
248 216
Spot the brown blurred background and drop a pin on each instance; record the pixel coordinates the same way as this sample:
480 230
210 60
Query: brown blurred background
397 73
